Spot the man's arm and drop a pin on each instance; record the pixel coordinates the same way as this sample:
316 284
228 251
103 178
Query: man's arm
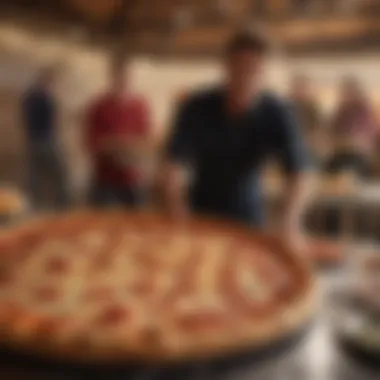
298 193
178 155
297 164
174 189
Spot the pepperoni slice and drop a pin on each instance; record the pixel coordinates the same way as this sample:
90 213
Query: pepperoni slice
101 293
8 312
17 247
142 288
49 327
113 315
46 294
57 265
145 259
102 262
6 245
6 277
68 227
275 274
202 320
26 324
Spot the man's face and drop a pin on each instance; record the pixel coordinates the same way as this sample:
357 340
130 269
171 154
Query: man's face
244 70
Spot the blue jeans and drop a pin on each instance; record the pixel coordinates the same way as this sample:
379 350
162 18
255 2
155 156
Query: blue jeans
46 167
106 195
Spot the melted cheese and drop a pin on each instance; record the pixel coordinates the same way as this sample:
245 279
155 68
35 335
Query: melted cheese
251 285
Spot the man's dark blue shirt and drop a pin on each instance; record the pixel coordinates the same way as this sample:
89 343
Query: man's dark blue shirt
39 115
226 153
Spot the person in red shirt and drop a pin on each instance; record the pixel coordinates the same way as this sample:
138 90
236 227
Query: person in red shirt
117 135
354 131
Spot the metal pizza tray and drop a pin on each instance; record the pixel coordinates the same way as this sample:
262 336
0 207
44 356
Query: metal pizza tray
41 368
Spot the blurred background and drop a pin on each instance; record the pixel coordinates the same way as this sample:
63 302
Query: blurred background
329 50
327 64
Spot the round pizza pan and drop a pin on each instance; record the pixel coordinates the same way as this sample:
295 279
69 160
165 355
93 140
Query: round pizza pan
288 335
214 368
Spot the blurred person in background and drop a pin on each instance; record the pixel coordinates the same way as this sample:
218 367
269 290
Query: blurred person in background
118 131
353 131
309 113
225 136
45 164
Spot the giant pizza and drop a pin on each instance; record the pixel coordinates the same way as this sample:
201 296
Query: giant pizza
110 286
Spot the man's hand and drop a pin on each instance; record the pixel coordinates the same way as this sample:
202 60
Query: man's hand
174 188
295 241
300 191
179 212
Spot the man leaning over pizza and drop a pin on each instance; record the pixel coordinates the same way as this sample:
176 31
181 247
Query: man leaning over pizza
225 134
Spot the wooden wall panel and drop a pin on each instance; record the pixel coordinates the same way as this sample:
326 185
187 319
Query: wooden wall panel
202 39
279 6
97 10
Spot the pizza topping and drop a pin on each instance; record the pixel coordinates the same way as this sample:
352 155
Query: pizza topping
93 239
47 293
17 248
6 245
152 335
50 327
270 268
141 287
201 320
102 262
6 276
96 294
145 259
25 325
113 315
57 265
252 286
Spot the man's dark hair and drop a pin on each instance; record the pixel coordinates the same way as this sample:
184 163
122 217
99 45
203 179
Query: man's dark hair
253 40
